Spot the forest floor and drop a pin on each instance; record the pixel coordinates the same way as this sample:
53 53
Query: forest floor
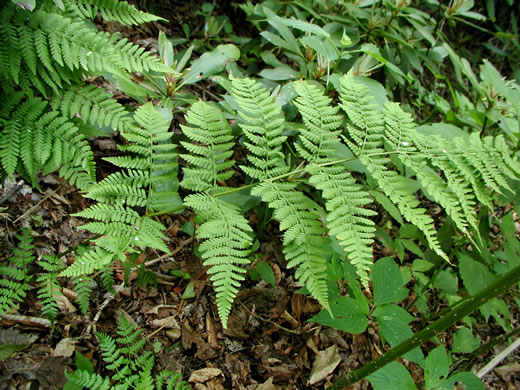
268 343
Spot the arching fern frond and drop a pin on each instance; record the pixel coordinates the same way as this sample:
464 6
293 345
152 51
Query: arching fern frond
344 198
122 228
110 10
93 105
209 151
366 132
44 140
50 289
227 238
304 235
263 124
15 281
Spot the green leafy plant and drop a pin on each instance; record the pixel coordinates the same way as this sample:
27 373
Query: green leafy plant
46 51
131 367
15 276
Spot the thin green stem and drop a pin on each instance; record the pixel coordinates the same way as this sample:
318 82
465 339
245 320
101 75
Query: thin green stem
467 306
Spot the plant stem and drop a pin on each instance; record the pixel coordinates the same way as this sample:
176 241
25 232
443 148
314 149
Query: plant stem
467 306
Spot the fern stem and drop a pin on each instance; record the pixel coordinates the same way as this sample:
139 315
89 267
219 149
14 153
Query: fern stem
466 307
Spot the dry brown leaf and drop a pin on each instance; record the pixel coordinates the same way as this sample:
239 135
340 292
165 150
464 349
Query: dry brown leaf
65 347
204 374
326 361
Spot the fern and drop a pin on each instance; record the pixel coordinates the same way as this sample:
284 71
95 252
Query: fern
122 228
83 287
110 10
130 366
344 199
43 140
209 151
92 105
226 233
367 131
16 280
228 238
50 289
304 236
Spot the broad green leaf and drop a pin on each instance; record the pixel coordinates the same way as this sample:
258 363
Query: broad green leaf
83 364
393 376
304 26
446 281
279 74
322 47
266 272
388 282
393 324
469 379
6 350
211 63
348 316
166 49
464 341
437 368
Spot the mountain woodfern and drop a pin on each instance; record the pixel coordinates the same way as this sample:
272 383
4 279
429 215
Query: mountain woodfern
317 200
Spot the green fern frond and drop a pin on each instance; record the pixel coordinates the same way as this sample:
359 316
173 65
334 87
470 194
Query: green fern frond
130 367
367 132
93 105
44 141
15 276
305 243
263 124
110 10
85 379
227 239
210 149
88 262
83 287
344 198
122 228
414 151
50 289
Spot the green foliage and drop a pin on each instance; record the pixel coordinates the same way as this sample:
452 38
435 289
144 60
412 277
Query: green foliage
15 276
140 184
47 51
49 290
131 367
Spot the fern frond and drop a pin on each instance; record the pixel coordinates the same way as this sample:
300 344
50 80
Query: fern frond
88 262
111 10
210 149
50 289
263 124
85 379
171 381
366 140
15 276
454 194
83 287
44 140
227 239
93 105
305 243
344 199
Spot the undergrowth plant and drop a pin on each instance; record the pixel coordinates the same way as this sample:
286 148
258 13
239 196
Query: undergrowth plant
328 155
130 366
